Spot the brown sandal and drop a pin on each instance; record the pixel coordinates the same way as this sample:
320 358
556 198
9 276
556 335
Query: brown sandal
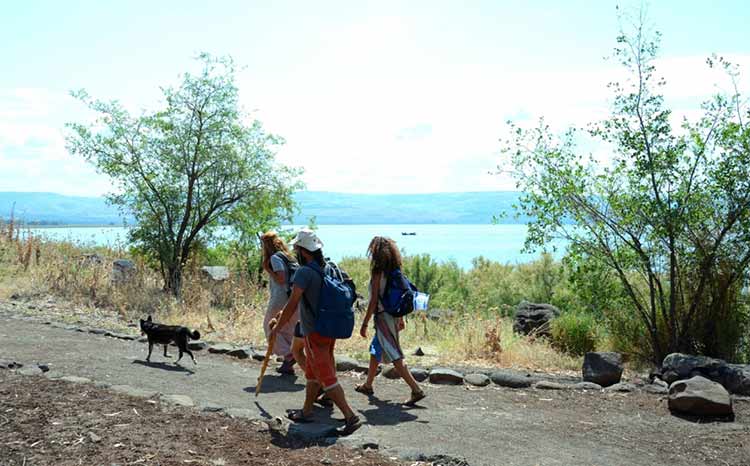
364 390
415 398
350 426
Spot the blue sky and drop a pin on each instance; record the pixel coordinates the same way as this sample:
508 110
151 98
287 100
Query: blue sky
370 96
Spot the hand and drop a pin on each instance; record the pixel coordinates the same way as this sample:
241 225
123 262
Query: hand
363 330
272 323
401 325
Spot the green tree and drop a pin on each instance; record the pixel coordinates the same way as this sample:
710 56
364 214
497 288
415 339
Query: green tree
669 213
188 168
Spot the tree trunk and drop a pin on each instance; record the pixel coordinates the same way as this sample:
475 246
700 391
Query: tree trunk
173 280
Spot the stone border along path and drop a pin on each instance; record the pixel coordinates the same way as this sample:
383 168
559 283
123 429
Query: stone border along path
434 432
438 375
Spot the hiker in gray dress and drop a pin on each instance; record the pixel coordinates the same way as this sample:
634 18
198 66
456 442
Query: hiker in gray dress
276 257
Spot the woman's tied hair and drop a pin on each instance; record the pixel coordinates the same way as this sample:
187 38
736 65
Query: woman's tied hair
272 243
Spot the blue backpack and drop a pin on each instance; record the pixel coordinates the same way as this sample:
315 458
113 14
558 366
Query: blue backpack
398 297
335 312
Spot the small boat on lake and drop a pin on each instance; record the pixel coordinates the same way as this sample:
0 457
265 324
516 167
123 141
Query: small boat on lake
411 233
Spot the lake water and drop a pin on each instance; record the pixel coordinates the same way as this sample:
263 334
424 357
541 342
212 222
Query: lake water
461 243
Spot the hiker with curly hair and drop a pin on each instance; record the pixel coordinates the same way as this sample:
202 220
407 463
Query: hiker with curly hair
280 265
384 259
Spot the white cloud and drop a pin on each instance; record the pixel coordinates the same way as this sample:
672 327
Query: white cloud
33 156
371 111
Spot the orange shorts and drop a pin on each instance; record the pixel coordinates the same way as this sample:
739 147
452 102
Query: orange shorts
320 365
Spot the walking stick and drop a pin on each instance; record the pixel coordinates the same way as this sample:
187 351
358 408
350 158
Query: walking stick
271 341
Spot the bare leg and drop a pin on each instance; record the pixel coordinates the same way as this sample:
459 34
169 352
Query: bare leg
311 393
336 394
298 351
372 371
406 375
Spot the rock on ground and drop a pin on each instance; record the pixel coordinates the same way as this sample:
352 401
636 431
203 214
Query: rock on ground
123 271
6 364
622 387
656 389
390 372
446 376
197 345
512 379
179 400
345 364
30 370
547 385
701 397
587 386
220 348
602 368
419 374
533 317
479 380
132 391
734 377
74 379
240 353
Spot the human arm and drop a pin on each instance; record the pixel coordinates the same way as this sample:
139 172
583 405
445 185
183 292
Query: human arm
289 308
277 269
372 306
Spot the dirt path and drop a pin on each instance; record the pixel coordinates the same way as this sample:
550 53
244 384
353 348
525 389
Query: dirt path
487 426
61 423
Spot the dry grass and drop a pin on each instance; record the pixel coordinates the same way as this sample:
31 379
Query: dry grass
234 310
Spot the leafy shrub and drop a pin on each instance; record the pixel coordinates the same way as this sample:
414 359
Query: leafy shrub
575 333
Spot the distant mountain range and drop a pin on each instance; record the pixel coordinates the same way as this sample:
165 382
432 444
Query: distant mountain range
326 207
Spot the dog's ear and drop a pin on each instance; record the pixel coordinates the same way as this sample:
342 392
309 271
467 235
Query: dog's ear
148 319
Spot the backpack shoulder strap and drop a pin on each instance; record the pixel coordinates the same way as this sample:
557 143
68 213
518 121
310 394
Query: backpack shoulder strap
287 267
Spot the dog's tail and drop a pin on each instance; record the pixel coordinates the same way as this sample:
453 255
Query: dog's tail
195 335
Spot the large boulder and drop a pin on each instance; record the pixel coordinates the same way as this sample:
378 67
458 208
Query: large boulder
678 366
123 271
604 369
734 377
701 397
534 318
737 379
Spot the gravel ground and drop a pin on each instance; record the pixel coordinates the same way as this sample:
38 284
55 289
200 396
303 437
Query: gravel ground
486 426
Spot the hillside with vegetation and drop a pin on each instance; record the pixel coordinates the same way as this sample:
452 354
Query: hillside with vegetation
327 208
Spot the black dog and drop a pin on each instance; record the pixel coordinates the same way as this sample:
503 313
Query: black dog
159 334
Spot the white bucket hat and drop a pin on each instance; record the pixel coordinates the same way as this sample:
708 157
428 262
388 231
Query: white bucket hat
307 239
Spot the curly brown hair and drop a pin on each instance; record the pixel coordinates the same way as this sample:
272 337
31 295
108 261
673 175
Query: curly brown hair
384 255
272 243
